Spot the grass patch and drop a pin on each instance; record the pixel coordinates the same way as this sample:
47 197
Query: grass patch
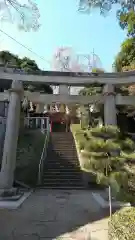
122 225
29 150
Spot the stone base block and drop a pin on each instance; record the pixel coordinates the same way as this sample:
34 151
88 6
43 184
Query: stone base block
105 204
14 202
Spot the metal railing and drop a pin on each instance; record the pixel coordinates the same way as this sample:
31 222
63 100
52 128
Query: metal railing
37 123
3 120
43 156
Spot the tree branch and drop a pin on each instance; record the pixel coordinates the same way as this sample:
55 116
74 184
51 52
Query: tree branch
26 16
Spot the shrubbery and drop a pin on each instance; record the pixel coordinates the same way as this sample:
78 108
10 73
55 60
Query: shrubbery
107 156
122 225
105 132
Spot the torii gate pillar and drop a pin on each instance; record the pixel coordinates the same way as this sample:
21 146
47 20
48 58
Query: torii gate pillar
110 117
11 137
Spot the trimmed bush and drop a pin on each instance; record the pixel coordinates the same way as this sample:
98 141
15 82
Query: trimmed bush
127 145
99 145
81 145
105 132
121 178
122 225
109 157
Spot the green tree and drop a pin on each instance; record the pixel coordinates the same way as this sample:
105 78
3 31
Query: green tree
103 149
93 89
27 65
25 15
127 20
7 57
125 59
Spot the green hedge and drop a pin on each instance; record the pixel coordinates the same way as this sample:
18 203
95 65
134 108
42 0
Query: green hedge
122 225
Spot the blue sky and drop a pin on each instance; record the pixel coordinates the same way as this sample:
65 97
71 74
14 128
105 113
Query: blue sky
63 26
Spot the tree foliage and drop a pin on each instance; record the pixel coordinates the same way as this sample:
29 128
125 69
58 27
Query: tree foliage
102 151
93 89
7 58
24 13
125 14
125 59
27 65
127 21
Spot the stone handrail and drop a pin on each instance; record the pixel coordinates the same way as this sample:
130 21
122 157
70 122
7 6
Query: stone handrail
43 156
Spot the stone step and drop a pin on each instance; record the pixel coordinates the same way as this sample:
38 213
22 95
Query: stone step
62 187
64 169
63 161
66 152
58 178
61 178
68 148
64 175
65 138
54 166
62 135
63 148
81 187
62 164
61 167
62 183
63 142
61 153
58 150
62 157
61 171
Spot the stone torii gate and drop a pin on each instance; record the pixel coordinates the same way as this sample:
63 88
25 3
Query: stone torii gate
16 94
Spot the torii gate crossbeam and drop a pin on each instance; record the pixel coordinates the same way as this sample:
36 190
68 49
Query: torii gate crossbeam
66 78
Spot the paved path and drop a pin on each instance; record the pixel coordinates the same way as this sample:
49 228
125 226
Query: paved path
48 215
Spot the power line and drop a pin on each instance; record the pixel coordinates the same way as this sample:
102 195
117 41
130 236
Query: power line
25 47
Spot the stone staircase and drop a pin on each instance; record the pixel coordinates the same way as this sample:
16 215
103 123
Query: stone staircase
61 167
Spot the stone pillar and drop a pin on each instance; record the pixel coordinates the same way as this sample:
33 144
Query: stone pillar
11 137
64 89
40 108
48 126
110 117
2 126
